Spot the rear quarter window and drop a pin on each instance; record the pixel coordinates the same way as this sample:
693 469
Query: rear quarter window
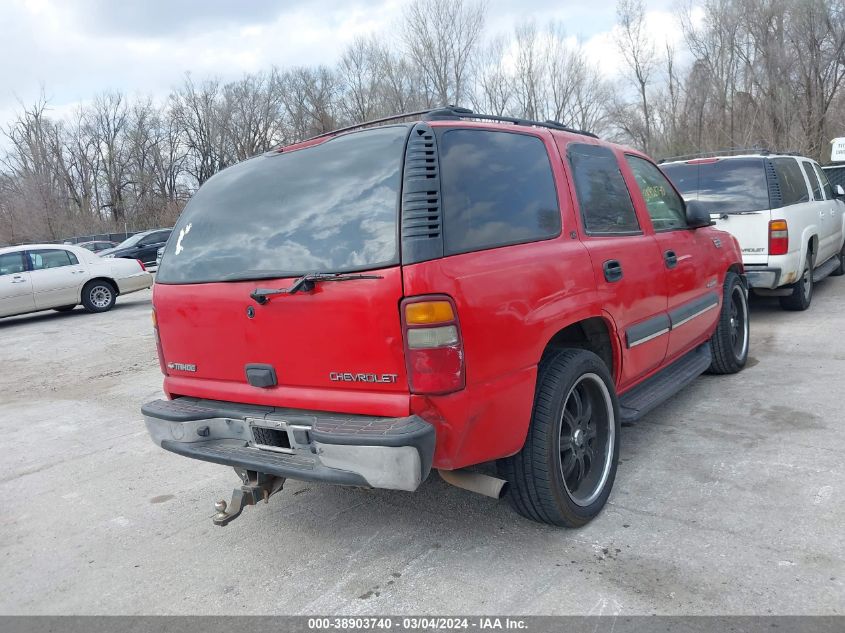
498 189
793 187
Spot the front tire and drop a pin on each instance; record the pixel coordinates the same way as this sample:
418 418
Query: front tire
802 290
565 471
729 343
98 296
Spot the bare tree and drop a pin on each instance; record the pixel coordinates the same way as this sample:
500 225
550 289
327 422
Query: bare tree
637 48
441 37
200 112
817 38
361 76
531 58
494 84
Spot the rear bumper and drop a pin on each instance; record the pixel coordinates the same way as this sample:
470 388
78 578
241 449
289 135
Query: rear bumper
759 277
139 281
391 453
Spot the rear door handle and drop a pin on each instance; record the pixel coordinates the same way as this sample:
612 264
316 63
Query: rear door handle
670 258
612 270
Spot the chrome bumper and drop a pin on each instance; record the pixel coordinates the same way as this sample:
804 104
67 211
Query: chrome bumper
764 278
391 453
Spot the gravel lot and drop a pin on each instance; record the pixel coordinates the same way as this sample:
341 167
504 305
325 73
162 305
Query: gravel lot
729 499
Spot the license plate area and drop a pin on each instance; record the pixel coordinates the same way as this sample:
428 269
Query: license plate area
271 435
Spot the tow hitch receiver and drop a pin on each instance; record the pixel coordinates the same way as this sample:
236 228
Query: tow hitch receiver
257 486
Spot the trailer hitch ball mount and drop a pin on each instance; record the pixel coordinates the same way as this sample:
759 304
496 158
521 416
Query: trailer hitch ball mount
256 487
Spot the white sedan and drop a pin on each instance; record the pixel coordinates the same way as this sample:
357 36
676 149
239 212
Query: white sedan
59 277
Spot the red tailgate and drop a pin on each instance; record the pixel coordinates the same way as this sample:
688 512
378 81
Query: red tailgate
336 346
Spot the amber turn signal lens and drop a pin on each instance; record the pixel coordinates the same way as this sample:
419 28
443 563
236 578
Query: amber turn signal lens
153 317
777 225
429 312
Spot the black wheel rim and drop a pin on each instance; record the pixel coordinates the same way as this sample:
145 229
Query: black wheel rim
739 323
587 437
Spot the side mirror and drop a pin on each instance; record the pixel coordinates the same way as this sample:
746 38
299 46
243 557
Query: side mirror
838 192
697 215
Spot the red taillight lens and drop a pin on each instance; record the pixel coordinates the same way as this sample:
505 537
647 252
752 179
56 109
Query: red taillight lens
161 363
778 237
141 264
434 350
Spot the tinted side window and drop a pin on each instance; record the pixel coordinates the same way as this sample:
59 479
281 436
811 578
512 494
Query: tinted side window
11 263
828 190
792 185
664 205
603 197
498 189
43 259
814 180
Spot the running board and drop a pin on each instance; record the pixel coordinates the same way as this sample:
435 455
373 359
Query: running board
634 404
825 269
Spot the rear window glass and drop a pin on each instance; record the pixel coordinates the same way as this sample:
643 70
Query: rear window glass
793 188
733 185
497 188
332 207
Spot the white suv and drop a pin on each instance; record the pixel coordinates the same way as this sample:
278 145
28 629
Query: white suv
789 221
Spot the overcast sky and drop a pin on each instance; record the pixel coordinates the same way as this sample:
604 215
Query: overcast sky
78 48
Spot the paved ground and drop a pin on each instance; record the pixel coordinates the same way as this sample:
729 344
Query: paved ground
729 499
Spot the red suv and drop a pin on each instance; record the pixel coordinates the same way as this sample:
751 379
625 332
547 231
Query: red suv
376 302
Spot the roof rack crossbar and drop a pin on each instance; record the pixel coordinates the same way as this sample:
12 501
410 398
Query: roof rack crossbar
452 112
731 151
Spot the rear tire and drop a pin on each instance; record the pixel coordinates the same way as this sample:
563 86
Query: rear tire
65 308
565 471
802 290
729 343
98 296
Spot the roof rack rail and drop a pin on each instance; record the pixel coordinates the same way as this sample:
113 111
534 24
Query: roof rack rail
732 151
386 119
446 113
452 113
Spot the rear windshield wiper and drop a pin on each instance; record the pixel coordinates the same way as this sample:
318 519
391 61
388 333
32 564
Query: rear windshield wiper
304 283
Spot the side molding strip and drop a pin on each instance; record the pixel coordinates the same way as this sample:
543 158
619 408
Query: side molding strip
694 308
662 324
648 330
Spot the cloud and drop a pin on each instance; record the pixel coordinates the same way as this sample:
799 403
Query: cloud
76 49
81 48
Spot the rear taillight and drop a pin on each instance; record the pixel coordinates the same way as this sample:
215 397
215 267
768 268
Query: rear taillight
778 237
434 350
141 264
161 362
